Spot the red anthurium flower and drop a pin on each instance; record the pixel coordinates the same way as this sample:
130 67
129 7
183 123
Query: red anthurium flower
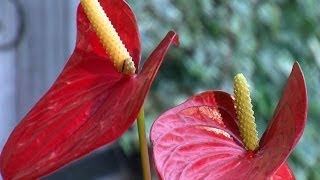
200 139
88 106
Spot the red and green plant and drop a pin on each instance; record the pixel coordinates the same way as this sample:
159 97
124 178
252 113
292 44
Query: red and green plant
101 91
202 138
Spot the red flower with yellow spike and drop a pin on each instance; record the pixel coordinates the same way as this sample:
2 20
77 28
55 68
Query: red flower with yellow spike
213 135
95 99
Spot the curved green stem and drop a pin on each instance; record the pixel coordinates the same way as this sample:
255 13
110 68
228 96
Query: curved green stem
143 146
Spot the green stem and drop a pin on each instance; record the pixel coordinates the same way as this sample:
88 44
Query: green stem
143 146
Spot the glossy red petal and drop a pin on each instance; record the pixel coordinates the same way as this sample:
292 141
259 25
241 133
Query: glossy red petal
286 126
198 139
124 22
283 173
88 106
210 98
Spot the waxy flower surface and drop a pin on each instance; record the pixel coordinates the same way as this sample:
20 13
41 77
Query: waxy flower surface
89 105
200 139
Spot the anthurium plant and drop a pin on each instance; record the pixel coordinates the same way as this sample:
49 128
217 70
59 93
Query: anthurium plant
95 99
100 93
213 135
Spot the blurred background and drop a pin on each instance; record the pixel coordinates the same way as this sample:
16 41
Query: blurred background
218 38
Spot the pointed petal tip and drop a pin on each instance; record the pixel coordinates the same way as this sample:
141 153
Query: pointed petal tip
296 67
288 121
175 37
298 74
296 63
153 62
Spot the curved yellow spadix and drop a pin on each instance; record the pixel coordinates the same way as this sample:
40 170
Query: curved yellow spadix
248 129
108 36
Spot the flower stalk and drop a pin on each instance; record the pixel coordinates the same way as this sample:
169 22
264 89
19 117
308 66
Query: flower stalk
248 129
143 146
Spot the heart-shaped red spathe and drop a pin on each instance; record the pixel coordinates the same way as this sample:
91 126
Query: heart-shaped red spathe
200 138
88 106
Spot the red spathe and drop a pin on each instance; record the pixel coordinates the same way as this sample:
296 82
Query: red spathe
89 105
200 138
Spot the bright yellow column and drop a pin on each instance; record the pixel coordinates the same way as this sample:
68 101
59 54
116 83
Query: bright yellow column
248 129
108 36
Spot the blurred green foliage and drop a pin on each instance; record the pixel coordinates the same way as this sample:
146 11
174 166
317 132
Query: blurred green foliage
218 39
